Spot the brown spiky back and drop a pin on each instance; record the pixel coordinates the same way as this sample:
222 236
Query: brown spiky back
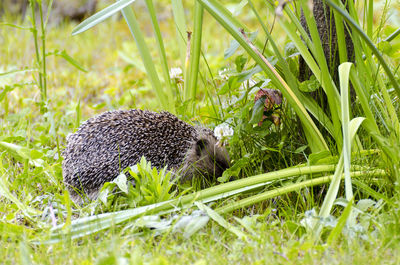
108 143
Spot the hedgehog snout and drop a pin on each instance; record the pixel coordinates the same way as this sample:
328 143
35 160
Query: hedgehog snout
221 160
212 159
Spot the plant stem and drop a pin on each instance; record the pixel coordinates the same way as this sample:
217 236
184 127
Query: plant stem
43 37
393 35
37 53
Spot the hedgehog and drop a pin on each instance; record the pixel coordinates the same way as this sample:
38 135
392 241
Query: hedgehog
106 144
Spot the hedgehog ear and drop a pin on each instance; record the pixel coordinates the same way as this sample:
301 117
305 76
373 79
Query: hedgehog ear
201 146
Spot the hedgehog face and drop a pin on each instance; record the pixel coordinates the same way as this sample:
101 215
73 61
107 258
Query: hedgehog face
212 159
205 159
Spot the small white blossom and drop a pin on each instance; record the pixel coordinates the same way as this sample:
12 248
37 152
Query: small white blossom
223 73
223 130
175 72
229 102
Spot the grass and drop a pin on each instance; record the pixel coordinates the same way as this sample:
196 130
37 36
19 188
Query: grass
33 199
276 244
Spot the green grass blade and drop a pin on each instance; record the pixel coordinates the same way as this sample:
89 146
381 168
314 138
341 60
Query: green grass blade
354 125
370 18
13 230
271 194
101 16
22 153
330 196
335 233
239 25
393 35
88 225
373 193
221 221
291 31
163 56
146 57
69 59
195 52
291 27
341 39
295 22
363 98
180 23
12 72
344 72
25 253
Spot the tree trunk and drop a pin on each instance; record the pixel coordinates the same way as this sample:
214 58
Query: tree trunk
327 33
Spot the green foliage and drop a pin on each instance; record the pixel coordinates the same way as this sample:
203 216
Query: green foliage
338 118
146 186
257 145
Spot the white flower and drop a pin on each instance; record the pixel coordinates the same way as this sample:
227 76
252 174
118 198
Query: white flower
229 102
175 72
223 130
223 73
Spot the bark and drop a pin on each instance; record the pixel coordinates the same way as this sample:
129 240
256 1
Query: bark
327 32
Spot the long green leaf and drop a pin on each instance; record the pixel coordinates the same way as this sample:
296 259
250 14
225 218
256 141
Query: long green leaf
146 57
221 221
195 52
334 235
363 98
344 73
68 58
271 194
12 72
370 18
180 23
163 56
14 230
393 35
341 38
331 195
23 154
373 193
101 15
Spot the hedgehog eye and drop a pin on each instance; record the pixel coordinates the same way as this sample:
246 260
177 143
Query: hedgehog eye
200 146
